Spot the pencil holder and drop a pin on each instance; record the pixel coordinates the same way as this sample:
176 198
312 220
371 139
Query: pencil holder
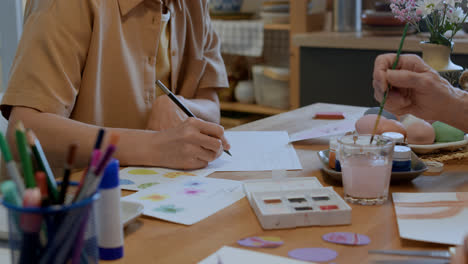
55 234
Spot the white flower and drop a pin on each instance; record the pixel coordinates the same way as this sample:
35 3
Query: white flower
456 15
453 3
426 7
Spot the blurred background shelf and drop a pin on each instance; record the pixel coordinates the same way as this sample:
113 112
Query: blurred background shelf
250 108
277 26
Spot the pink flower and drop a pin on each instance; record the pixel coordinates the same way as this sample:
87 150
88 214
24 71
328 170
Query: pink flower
406 10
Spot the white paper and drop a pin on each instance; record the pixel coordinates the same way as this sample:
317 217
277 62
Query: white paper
449 230
257 151
188 201
332 129
140 178
230 255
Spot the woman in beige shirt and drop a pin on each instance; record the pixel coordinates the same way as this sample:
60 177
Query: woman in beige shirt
86 64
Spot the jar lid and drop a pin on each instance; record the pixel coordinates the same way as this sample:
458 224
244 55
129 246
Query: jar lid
401 153
395 136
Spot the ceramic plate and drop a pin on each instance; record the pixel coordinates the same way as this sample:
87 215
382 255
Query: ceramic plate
130 211
417 168
452 146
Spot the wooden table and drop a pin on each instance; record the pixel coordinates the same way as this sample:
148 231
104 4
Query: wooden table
149 240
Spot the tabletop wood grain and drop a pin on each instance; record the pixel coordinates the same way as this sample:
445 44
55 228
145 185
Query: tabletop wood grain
149 240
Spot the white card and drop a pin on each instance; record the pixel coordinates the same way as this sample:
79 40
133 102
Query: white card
188 201
140 178
432 217
257 151
230 255
332 129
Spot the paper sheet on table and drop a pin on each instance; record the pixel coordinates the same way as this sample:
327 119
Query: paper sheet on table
141 178
431 217
230 255
188 201
332 129
257 151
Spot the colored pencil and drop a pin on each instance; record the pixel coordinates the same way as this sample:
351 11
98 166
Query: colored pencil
179 104
24 153
11 165
43 165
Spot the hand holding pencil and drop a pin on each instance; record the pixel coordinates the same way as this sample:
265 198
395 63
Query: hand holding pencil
188 112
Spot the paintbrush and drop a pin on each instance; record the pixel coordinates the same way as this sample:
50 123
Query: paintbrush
395 63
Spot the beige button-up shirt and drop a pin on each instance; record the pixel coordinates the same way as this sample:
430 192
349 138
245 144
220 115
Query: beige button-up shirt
94 60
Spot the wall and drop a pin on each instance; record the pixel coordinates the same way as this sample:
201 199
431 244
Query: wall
342 76
11 24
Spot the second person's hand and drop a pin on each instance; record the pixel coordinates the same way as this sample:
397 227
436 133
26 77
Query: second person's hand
416 88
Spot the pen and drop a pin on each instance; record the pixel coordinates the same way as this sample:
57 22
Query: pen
10 193
24 153
93 162
42 184
99 138
96 154
43 164
93 176
30 224
66 175
179 104
11 165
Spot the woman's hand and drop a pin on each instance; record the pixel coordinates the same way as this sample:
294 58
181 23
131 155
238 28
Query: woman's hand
190 145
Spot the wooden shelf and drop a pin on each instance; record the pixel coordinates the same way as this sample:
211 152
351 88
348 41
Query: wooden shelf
250 108
277 26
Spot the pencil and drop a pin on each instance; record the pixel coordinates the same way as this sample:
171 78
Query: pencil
43 164
66 175
179 103
24 153
11 165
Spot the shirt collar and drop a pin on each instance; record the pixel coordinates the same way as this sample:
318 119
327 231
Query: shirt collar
127 5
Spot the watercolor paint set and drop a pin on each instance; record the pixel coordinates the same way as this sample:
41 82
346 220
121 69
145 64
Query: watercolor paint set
283 207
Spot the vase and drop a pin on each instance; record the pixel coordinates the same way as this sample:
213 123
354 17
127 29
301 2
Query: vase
438 57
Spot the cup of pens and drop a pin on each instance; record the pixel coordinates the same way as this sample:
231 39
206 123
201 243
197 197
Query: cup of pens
50 222
53 234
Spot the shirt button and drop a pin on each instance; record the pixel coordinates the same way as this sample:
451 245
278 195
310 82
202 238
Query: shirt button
173 53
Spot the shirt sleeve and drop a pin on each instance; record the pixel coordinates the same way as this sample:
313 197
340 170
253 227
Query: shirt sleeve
215 75
46 73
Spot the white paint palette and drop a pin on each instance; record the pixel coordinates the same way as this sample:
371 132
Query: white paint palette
318 206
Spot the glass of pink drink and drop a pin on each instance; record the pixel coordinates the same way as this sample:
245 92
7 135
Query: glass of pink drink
366 168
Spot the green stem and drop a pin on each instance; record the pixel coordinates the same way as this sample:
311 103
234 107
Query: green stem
395 63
